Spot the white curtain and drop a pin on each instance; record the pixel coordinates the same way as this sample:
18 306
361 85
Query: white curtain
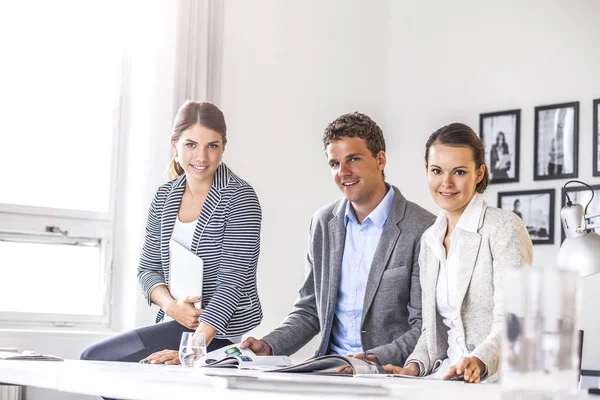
173 54
199 50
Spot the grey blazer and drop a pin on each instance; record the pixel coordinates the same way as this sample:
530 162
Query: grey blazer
501 242
391 318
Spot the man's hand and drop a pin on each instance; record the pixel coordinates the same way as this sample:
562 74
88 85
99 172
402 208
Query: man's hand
411 369
470 368
363 356
259 347
170 357
184 312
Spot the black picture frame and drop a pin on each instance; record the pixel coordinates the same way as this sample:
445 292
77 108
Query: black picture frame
491 126
580 194
596 130
552 159
536 202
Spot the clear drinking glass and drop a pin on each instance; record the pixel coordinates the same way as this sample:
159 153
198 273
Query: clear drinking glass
192 350
540 343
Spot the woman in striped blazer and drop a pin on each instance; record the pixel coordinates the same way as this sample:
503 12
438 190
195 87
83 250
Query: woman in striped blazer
217 216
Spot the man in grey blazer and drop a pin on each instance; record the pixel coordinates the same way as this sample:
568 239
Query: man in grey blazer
362 292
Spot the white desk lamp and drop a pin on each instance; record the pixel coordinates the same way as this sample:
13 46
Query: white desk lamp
581 249
580 252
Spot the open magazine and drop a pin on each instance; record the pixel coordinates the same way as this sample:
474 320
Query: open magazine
233 356
334 364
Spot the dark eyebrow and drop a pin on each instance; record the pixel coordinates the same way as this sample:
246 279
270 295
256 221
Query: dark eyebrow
215 142
349 156
190 141
455 168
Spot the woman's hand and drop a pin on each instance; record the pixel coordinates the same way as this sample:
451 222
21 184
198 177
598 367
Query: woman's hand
412 369
184 312
170 357
470 368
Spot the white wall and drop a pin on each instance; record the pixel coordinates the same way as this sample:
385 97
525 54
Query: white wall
290 67
451 62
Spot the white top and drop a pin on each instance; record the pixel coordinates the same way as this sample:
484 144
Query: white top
183 233
446 297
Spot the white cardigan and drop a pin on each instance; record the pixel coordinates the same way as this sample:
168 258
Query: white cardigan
501 242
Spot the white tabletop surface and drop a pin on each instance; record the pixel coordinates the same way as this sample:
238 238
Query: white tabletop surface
139 381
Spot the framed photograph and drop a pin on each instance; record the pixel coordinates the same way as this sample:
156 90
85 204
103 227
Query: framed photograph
556 141
582 195
500 133
536 209
596 148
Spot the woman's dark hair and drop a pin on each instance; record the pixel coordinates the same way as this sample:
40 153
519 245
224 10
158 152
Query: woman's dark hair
504 145
190 113
457 134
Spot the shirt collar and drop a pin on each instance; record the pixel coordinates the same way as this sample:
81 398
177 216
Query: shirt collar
378 216
469 220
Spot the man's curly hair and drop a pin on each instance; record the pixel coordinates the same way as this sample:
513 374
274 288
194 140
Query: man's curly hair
355 125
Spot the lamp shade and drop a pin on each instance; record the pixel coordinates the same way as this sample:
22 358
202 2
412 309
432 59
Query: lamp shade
581 253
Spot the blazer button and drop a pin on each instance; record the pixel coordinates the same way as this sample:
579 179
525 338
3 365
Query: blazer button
470 347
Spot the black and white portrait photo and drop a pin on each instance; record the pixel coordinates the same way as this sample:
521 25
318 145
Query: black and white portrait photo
500 135
582 195
596 148
556 141
535 208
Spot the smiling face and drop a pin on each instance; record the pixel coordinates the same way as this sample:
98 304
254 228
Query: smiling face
356 172
199 150
452 176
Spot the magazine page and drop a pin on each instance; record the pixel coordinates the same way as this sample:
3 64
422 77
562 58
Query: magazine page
384 375
365 367
233 356
232 350
334 365
252 362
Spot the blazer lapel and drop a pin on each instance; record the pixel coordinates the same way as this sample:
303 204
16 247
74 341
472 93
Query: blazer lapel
385 247
337 238
429 299
469 250
213 198
170 210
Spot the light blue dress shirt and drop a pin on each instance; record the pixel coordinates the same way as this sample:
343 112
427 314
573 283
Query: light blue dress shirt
359 249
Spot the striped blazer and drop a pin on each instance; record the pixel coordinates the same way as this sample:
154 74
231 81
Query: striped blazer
227 238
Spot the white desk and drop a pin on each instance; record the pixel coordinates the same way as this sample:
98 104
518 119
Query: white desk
137 381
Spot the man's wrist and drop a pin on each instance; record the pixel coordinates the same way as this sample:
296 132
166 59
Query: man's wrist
372 356
269 348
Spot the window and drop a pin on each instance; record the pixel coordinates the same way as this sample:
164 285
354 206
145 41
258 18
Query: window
60 80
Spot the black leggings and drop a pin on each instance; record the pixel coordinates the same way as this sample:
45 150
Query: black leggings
138 344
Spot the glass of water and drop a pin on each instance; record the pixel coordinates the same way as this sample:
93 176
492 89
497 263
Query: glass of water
192 350
540 357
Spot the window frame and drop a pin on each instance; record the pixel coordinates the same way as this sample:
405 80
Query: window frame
31 222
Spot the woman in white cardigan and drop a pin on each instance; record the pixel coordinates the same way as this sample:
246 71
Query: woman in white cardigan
462 259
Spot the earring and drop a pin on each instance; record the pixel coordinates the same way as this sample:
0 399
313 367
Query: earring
176 159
